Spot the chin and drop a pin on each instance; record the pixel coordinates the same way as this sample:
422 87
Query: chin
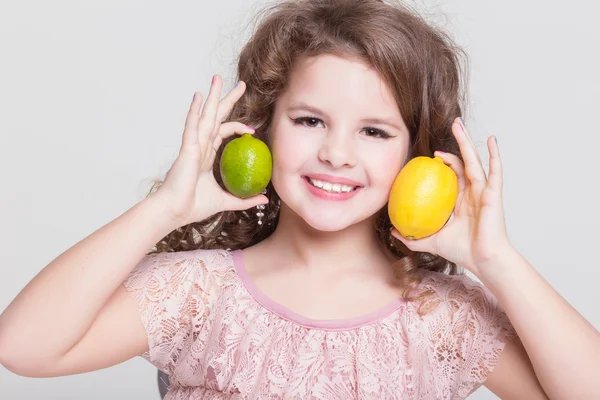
328 224
330 221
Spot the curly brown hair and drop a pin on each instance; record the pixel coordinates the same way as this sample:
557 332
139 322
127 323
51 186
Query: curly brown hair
420 63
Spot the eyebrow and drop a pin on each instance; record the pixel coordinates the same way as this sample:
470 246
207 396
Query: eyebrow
380 121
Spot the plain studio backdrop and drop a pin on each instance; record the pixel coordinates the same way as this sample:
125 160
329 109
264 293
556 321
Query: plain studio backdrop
93 97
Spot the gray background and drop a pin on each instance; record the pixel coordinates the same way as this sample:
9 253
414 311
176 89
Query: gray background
93 97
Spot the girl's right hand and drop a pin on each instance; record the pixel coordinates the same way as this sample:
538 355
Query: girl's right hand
189 191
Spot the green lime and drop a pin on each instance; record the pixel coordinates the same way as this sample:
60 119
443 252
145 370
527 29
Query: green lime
246 166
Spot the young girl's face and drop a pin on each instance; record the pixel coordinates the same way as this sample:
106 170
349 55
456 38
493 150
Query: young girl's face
338 141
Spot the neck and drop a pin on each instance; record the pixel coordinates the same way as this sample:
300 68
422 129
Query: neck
355 248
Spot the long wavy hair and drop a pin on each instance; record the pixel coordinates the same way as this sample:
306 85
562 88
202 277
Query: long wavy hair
418 61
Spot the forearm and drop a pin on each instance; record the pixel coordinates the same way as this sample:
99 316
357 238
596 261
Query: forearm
564 348
55 310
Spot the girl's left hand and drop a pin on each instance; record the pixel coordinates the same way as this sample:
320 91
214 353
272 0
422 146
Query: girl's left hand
475 235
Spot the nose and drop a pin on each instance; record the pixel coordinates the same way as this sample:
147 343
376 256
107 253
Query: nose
338 149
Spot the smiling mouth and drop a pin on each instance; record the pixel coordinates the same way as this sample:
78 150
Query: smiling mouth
331 187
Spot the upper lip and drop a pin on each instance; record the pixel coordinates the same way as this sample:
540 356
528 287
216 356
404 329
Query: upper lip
334 179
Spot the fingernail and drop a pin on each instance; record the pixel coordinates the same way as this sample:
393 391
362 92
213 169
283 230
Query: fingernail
194 96
213 80
237 84
251 127
496 139
462 124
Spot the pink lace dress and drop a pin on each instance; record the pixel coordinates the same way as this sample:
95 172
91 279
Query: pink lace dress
218 337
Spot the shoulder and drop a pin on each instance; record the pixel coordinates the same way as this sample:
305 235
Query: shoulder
456 289
441 282
460 297
174 293
199 258
466 327
172 268
463 303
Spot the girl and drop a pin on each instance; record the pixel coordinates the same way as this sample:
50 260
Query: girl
314 295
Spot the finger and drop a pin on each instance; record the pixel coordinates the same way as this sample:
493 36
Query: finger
473 168
235 203
190 136
468 135
461 121
229 129
457 166
225 106
209 111
421 245
495 180
230 99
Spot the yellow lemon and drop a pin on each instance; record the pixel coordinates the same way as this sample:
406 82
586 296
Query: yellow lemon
422 197
246 166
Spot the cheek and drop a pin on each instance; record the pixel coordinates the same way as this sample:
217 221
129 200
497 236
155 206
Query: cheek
284 158
290 151
385 167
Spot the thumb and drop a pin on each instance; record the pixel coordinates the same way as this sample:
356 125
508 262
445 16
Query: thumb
235 203
420 245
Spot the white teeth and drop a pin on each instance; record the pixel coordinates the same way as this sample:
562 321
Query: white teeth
331 187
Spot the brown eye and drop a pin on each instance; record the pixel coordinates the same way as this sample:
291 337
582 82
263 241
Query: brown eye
377 133
309 122
312 121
